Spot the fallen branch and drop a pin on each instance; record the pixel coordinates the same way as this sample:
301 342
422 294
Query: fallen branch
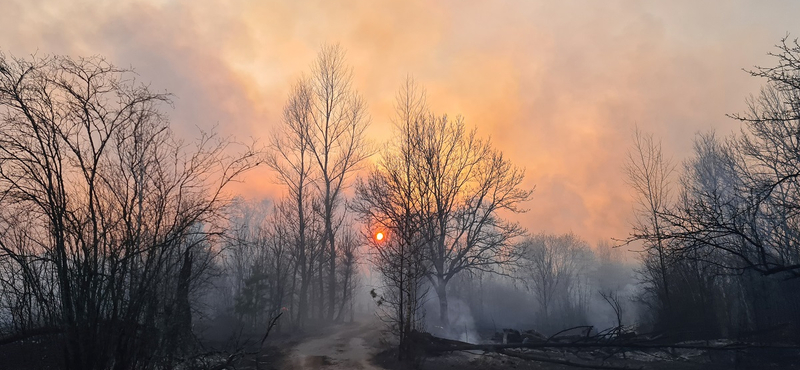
529 357
432 345
436 344
270 326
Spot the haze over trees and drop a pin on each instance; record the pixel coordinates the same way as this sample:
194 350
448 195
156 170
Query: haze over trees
555 267
439 191
727 242
320 146
107 218
121 247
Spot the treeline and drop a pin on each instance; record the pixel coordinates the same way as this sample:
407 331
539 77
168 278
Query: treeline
298 255
437 192
107 221
722 242
118 241
559 282
261 273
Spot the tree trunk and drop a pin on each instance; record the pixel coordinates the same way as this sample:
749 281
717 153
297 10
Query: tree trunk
321 282
441 291
345 293
332 245
304 264
303 299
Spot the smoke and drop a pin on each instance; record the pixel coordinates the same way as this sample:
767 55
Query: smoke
602 316
461 323
558 85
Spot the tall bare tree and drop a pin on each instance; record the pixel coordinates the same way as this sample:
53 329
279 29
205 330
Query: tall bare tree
466 183
321 145
336 140
389 200
457 185
292 160
649 175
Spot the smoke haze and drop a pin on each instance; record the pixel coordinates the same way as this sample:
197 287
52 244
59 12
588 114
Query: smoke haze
558 86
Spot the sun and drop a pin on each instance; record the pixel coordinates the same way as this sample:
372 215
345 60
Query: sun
379 236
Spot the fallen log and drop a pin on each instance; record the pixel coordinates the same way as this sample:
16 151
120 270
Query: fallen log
434 345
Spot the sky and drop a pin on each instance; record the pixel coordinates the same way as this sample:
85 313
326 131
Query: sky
558 86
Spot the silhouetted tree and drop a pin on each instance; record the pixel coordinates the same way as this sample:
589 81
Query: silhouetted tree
291 159
734 231
320 146
555 267
454 185
389 200
118 212
338 118
649 175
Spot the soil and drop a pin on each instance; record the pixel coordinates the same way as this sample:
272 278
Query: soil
43 352
366 345
345 346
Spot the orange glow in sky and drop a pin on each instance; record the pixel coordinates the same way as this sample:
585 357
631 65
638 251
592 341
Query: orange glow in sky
557 86
379 236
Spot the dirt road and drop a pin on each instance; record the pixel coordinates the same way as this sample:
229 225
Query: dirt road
349 346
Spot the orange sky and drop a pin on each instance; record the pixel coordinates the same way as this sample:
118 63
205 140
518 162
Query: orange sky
558 85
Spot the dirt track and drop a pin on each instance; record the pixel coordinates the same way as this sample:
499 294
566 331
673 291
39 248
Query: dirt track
349 346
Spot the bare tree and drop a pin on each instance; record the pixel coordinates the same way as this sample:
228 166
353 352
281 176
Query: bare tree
454 185
120 211
335 135
389 201
321 144
291 159
554 267
734 230
465 183
649 175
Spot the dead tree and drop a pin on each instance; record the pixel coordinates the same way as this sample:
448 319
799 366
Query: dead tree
552 267
649 175
336 142
457 184
598 351
291 159
120 211
389 201
734 230
465 184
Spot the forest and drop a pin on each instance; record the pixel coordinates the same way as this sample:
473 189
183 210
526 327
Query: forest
122 247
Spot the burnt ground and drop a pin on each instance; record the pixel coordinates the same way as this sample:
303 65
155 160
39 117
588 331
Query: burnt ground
655 359
366 345
42 352
493 361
